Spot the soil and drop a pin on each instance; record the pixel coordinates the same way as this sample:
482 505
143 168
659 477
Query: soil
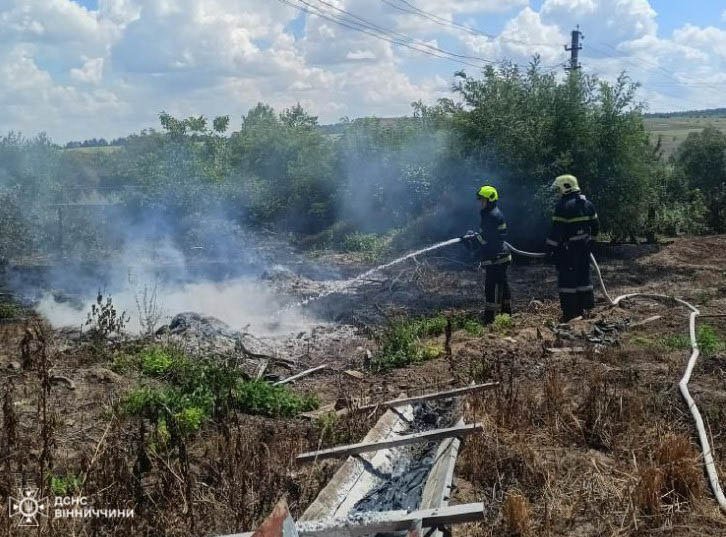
591 442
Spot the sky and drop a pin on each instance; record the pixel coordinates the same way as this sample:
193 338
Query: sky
79 69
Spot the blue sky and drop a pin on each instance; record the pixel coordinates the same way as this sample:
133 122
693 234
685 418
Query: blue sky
82 68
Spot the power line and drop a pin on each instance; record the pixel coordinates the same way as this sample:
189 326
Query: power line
413 10
387 31
354 22
369 30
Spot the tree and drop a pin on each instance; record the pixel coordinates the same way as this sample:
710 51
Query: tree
525 127
702 159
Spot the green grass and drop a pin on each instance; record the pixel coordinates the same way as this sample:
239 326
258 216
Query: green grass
65 485
502 322
156 361
260 397
188 392
709 342
401 343
8 310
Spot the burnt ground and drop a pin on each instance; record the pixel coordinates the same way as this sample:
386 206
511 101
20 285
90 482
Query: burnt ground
588 443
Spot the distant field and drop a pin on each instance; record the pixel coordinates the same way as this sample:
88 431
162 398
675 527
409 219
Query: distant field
91 150
673 130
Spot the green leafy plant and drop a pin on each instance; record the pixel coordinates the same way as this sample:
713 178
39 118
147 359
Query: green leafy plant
260 397
8 310
155 361
401 343
502 322
709 342
65 485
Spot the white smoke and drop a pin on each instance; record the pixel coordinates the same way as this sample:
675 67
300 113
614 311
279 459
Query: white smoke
240 302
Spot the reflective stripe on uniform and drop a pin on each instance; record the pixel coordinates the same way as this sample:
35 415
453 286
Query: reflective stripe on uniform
584 288
480 239
581 237
502 227
574 219
552 243
498 261
568 290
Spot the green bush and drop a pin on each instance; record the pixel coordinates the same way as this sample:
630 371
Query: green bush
65 485
194 391
361 242
156 361
400 344
260 397
502 322
8 310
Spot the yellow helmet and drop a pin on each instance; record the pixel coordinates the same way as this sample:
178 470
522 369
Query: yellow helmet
488 193
564 184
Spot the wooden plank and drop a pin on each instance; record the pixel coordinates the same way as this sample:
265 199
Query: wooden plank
565 350
437 490
358 475
645 321
387 521
300 375
391 521
430 396
427 436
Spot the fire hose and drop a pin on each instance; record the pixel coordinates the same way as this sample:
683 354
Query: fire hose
683 384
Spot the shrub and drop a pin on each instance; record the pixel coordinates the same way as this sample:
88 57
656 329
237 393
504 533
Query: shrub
155 361
195 391
260 397
400 344
9 310
502 322
65 485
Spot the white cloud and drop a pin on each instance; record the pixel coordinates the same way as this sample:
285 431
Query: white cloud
603 20
33 102
91 72
360 55
80 73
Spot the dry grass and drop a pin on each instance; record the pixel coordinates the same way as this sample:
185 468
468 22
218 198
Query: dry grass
516 513
672 479
223 479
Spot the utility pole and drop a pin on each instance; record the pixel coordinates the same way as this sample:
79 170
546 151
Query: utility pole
574 49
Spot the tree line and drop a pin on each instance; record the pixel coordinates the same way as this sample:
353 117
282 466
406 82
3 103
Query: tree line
413 178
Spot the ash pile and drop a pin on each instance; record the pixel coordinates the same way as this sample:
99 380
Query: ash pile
206 336
402 487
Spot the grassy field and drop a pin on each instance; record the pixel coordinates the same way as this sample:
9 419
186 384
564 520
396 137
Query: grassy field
673 130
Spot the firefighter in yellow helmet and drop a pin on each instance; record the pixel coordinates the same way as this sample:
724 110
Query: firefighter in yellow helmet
574 227
493 257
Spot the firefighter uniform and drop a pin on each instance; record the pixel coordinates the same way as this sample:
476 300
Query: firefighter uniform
493 257
574 225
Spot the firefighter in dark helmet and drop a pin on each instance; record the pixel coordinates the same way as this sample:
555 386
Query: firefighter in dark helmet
493 257
574 227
